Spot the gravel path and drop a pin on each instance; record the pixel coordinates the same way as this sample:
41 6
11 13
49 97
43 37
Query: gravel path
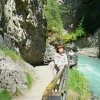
35 93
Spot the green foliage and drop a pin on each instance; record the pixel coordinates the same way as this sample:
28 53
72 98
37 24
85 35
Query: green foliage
78 83
18 92
29 79
53 16
80 30
13 55
74 35
4 95
63 9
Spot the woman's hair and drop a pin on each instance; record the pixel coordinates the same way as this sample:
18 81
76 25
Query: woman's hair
60 46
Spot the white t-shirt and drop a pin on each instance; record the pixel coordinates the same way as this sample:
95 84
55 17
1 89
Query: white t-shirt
60 60
71 53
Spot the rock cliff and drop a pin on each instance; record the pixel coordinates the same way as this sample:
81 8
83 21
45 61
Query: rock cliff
23 27
13 73
87 46
89 9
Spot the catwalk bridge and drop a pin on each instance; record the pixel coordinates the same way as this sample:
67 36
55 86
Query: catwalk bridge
58 87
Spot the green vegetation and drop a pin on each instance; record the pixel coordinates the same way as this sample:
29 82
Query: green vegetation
52 13
18 92
13 55
77 85
29 79
4 95
63 10
75 35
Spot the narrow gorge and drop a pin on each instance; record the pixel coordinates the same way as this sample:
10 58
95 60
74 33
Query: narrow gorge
25 29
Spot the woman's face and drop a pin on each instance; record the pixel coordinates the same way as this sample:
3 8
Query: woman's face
60 50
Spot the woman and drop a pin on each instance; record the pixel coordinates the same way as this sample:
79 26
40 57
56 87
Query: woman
71 54
60 58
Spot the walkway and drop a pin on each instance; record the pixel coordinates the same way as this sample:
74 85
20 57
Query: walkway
35 93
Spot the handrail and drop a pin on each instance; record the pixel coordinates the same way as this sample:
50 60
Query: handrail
50 92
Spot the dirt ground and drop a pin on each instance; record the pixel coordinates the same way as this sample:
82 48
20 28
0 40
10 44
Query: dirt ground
45 76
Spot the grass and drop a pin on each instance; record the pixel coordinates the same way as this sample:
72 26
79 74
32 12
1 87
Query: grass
77 85
29 80
53 16
78 33
4 95
18 92
12 54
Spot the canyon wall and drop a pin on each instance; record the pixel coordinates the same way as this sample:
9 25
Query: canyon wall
23 27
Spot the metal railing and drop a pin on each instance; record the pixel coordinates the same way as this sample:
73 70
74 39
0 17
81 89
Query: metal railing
58 87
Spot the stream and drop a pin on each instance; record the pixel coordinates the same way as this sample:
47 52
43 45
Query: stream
90 67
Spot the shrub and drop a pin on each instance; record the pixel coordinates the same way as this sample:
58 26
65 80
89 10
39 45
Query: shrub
29 79
12 54
74 35
63 9
4 95
79 84
18 92
52 13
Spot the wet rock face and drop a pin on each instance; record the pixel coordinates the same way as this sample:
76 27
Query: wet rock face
24 22
89 9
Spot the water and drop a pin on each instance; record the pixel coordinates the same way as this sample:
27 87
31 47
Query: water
90 67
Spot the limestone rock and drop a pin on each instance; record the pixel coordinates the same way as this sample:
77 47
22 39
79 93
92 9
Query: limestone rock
49 54
13 73
25 24
88 46
89 9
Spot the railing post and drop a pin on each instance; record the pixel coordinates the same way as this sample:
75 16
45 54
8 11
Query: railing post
66 76
50 93
54 96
